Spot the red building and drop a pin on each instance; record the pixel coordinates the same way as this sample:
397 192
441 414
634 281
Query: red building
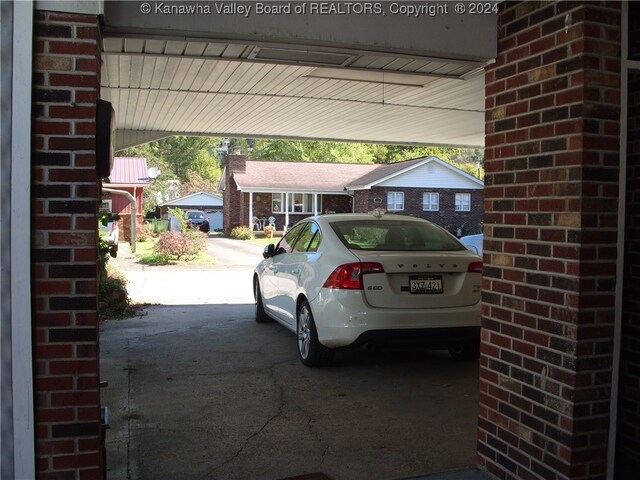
128 174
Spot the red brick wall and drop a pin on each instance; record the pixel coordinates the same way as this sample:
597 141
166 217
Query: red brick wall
468 222
121 204
551 186
234 203
64 246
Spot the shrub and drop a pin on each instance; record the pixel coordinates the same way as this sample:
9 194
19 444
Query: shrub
113 298
241 233
269 230
177 245
156 226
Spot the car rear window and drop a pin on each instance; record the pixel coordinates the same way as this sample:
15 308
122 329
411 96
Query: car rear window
384 235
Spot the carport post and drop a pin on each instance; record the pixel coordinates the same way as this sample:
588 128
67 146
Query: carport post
134 209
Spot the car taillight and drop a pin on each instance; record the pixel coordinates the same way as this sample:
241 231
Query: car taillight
475 267
349 276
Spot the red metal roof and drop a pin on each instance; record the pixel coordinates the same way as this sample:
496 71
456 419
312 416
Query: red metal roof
129 171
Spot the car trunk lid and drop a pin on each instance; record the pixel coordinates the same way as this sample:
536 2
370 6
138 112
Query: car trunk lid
422 279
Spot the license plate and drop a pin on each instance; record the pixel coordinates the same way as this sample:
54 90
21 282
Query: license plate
425 284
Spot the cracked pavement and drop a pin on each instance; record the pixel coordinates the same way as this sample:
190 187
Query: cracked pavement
198 390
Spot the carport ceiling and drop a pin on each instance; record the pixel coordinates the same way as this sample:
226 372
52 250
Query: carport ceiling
162 87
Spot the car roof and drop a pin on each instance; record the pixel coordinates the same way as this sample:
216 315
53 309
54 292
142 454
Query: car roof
338 217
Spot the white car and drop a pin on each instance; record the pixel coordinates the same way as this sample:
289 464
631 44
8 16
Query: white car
349 279
473 242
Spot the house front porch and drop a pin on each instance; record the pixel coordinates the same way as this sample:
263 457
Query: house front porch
283 209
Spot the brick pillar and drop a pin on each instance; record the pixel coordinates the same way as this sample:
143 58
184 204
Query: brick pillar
64 246
551 160
235 210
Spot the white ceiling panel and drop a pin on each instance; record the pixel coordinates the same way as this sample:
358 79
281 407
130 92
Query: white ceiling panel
163 87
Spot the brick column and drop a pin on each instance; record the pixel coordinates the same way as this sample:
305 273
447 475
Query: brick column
64 246
551 160
235 210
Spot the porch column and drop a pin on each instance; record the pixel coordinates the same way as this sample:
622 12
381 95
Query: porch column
551 212
65 192
251 210
286 210
315 204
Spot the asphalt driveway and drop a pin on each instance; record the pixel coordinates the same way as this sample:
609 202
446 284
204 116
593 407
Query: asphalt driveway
198 390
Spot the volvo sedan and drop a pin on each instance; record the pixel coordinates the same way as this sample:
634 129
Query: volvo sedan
346 280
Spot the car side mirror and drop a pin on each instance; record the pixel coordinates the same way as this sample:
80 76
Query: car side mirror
269 251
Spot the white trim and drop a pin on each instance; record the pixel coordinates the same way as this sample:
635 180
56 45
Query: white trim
92 7
175 201
395 200
425 161
437 194
251 210
455 202
288 190
21 326
286 211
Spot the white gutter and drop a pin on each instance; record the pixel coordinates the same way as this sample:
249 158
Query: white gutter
134 210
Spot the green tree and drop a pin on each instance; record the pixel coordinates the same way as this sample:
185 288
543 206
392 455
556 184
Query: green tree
206 165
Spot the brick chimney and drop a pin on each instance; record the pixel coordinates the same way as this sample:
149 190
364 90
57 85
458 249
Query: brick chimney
233 213
236 163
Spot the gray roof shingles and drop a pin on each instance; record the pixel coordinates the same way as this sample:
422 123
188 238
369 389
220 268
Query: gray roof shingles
309 176
326 177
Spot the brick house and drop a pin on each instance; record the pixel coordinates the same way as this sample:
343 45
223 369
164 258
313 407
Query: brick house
429 188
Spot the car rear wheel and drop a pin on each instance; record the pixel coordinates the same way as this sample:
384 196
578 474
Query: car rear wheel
465 351
312 353
261 315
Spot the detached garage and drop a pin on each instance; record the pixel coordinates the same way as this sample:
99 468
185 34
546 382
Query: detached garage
207 202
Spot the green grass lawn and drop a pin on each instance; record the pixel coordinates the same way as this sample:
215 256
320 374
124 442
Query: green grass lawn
263 241
144 254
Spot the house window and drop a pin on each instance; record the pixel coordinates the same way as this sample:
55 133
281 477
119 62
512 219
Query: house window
298 203
276 203
463 202
395 201
431 202
106 206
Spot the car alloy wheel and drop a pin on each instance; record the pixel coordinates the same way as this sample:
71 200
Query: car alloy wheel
312 353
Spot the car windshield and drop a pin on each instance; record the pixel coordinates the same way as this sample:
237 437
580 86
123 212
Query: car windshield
196 215
394 235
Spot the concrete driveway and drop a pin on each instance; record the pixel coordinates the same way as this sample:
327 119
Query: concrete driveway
198 390
228 281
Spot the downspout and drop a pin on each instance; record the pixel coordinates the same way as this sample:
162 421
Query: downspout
132 202
351 193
